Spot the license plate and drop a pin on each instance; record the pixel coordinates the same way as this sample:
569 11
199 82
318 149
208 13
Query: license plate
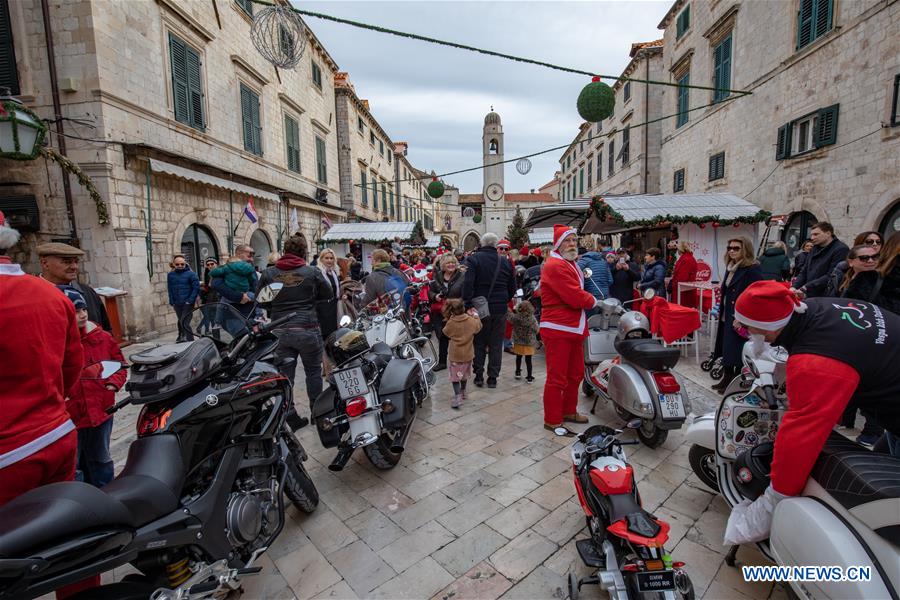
351 383
671 406
655 581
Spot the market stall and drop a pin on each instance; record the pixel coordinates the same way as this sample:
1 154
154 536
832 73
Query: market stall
363 238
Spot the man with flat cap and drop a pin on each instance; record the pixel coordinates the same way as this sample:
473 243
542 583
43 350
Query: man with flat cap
59 266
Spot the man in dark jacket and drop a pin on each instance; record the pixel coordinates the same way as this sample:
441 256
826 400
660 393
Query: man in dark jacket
827 252
654 273
304 287
624 273
383 276
491 276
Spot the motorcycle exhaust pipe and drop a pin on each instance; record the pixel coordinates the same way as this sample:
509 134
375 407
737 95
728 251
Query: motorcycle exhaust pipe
399 442
341 459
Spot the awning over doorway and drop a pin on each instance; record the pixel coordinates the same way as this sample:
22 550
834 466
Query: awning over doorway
158 166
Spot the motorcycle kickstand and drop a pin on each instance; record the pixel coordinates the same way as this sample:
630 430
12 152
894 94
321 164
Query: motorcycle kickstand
731 557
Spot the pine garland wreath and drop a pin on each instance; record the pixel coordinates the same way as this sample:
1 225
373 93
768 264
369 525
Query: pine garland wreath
436 188
605 212
596 101
83 179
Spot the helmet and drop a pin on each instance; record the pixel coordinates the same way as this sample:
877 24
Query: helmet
344 344
520 271
633 325
752 468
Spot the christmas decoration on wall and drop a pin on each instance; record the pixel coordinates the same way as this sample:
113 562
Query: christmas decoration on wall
436 188
596 101
477 218
83 180
468 212
523 166
279 34
605 212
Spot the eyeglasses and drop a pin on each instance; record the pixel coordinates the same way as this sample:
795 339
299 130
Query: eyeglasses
873 242
734 248
869 258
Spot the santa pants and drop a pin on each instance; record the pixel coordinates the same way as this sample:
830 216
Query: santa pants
54 463
565 369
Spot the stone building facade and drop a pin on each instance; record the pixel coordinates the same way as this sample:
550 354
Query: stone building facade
181 123
818 139
620 155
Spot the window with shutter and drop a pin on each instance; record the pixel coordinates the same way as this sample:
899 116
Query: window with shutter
581 181
783 145
895 106
683 23
590 171
250 120
392 202
246 6
374 191
292 143
321 162
826 127
626 143
9 74
360 125
285 40
178 55
364 187
717 166
722 69
626 91
814 19
381 147
316 75
611 167
678 181
384 206
683 100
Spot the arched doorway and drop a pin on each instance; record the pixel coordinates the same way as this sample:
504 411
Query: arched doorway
797 230
471 241
262 247
198 244
890 224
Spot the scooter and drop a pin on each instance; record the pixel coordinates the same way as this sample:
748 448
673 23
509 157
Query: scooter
201 496
634 372
626 543
847 515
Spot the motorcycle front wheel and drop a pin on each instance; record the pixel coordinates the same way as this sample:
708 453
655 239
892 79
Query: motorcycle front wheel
380 454
651 435
298 486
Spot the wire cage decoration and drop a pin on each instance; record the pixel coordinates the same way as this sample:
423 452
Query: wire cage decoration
279 34
523 166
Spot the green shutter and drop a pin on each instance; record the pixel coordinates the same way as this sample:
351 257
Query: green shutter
292 143
246 5
805 23
611 167
823 17
384 208
9 75
374 193
250 121
364 186
722 69
783 145
826 128
626 145
321 164
683 100
180 96
285 41
195 89
581 181
683 22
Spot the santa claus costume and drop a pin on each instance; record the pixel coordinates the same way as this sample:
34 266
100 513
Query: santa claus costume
563 329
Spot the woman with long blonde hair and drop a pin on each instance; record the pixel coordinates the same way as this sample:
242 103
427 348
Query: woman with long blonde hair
741 269
328 310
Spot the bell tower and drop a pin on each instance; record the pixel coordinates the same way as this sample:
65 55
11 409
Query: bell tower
492 147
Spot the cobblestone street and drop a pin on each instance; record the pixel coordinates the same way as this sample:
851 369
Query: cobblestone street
482 505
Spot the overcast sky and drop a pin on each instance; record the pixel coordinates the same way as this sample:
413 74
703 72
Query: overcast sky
435 97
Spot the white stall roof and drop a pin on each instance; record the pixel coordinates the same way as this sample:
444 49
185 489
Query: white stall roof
541 236
369 232
648 206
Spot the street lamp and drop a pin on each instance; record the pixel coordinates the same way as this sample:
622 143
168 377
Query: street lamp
21 131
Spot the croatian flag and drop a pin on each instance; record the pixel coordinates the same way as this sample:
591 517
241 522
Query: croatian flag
250 211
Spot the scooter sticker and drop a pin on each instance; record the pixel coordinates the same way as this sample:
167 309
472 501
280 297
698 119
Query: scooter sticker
747 418
752 399
762 427
723 424
726 412
729 435
751 438
739 436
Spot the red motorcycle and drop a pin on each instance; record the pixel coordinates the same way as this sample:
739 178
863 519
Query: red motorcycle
626 546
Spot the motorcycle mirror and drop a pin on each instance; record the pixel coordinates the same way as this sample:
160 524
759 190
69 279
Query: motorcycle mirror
102 370
649 293
268 293
519 293
345 320
633 424
588 272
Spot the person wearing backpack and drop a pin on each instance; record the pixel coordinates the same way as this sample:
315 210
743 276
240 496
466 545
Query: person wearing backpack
384 278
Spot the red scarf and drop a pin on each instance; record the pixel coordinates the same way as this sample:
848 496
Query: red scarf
290 261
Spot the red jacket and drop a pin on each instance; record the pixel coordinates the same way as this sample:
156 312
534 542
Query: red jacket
685 271
41 353
89 398
564 299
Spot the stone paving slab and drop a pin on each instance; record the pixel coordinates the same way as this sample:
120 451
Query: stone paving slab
481 506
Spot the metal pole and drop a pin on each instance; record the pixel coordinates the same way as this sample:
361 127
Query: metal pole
230 222
646 118
57 116
280 206
149 220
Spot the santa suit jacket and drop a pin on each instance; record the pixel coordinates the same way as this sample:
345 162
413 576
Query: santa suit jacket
563 298
89 398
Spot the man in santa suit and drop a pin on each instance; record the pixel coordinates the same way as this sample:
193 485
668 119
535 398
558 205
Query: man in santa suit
563 328
840 349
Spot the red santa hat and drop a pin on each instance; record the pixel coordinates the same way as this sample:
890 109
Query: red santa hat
504 243
561 232
8 236
523 251
767 305
537 252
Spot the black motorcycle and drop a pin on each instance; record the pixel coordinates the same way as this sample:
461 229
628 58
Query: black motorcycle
201 495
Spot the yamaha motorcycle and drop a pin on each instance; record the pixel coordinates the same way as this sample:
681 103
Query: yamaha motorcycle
201 495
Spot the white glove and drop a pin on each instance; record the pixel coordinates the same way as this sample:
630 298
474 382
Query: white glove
752 521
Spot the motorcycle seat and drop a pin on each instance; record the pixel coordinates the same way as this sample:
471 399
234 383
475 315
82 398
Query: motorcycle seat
855 476
648 353
638 520
52 512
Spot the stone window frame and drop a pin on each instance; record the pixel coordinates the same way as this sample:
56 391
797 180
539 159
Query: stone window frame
724 27
315 68
715 172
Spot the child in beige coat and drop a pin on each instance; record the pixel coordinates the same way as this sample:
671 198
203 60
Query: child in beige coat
460 328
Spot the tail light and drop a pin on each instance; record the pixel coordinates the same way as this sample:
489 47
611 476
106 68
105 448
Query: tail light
152 420
356 406
666 382
631 568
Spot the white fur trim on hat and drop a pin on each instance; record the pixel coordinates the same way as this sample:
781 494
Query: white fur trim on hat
564 235
769 325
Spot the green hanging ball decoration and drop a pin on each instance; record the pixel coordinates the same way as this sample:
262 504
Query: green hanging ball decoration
596 101
436 188
477 218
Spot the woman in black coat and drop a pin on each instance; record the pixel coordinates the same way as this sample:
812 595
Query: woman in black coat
447 283
741 269
328 309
